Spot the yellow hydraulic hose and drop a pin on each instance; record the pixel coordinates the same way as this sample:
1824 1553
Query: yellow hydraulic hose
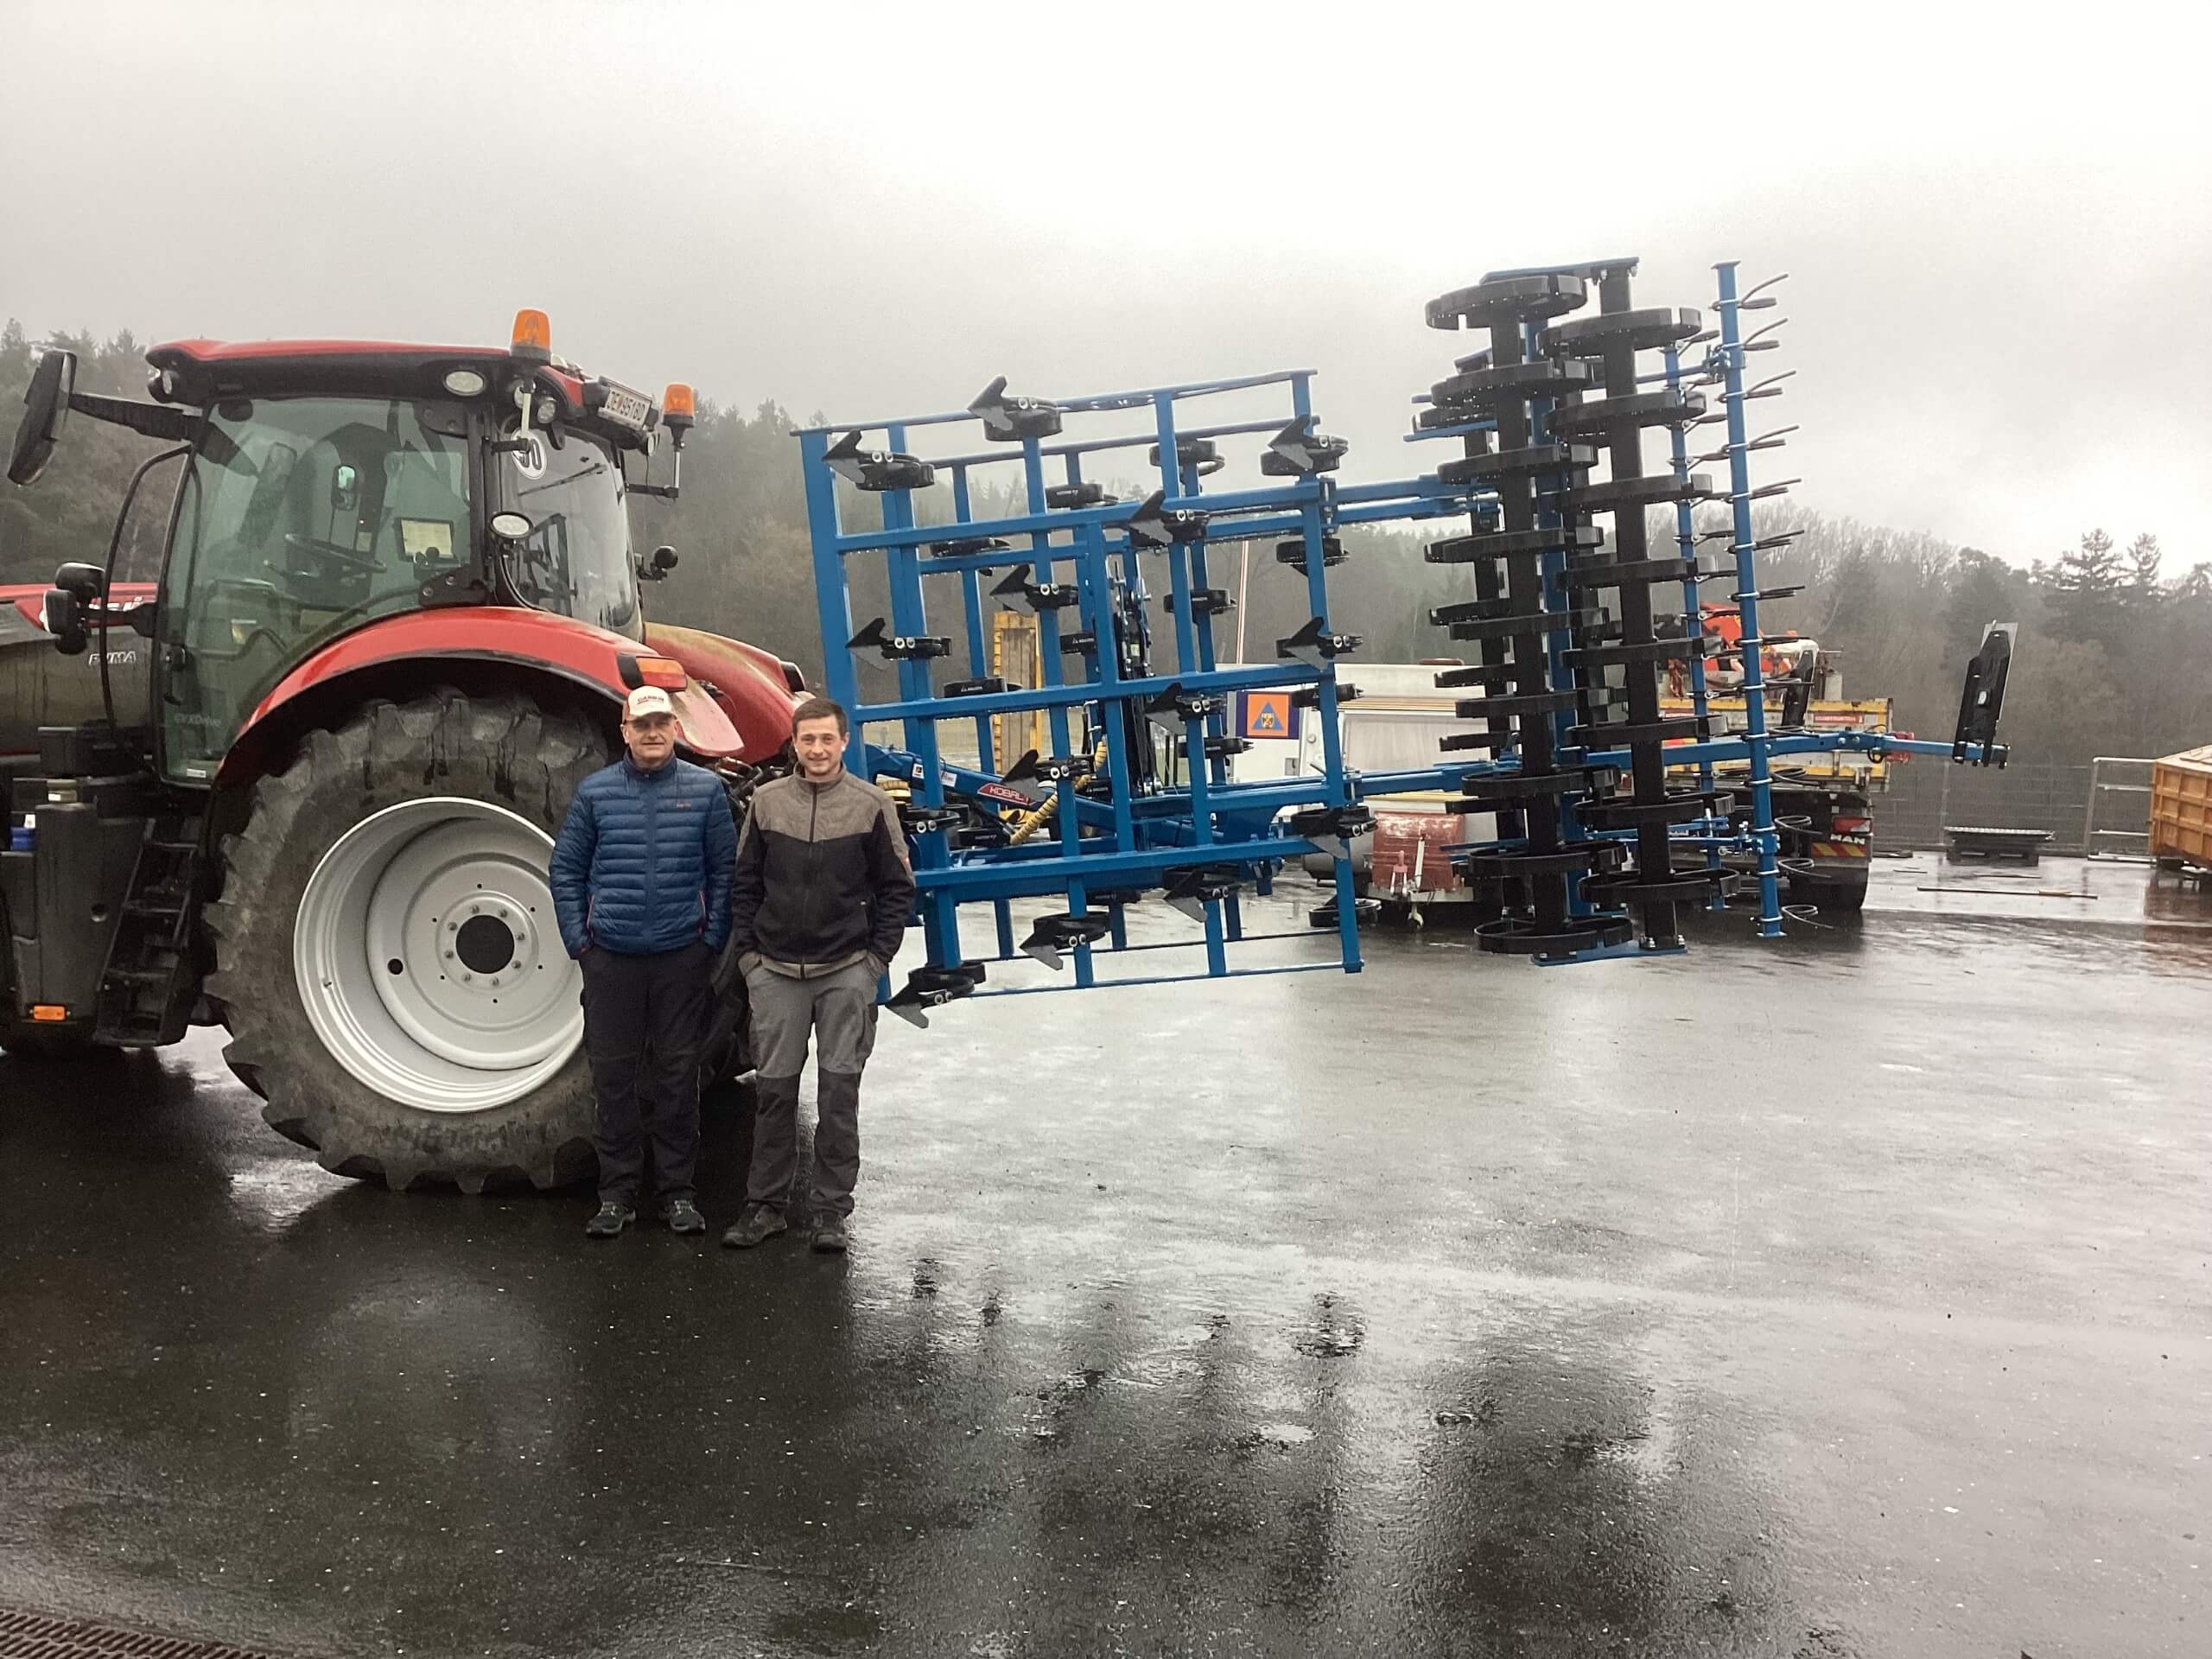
1027 824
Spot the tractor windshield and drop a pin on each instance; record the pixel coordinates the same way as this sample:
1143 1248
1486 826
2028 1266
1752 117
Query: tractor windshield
299 519
575 560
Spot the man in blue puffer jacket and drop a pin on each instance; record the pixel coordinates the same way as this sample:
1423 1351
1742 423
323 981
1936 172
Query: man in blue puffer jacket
641 882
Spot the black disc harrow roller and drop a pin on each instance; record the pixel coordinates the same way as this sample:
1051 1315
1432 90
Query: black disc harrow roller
1563 613
1517 622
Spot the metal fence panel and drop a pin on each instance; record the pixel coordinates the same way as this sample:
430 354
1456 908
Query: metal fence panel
1928 793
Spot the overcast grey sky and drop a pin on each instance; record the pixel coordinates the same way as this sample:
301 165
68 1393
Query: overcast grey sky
1994 217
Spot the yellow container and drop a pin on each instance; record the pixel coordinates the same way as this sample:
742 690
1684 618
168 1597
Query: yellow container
2181 807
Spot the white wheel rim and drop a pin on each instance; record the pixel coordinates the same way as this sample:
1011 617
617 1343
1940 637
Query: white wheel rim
428 959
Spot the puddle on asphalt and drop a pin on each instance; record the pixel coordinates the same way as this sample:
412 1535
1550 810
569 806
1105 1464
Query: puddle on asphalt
1331 1334
274 1192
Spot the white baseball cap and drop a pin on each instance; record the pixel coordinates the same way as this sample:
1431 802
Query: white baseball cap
647 700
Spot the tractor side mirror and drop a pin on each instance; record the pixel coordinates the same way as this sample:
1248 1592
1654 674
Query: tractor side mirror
664 560
84 583
46 409
63 616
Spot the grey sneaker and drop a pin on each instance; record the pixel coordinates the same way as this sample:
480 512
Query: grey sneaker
682 1216
756 1224
609 1219
830 1235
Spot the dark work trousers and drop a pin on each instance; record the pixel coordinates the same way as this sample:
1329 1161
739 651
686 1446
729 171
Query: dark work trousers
645 1018
838 1010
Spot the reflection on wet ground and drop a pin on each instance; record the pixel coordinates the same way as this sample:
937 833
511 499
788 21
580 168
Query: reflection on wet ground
2107 893
1457 1308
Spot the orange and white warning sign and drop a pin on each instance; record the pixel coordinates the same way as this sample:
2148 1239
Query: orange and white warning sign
1267 716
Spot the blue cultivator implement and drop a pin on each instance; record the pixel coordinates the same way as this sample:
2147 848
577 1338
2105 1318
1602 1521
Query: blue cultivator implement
1572 615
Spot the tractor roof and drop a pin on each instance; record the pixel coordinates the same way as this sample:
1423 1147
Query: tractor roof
200 371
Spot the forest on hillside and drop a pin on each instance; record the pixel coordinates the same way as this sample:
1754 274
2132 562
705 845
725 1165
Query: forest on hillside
2115 656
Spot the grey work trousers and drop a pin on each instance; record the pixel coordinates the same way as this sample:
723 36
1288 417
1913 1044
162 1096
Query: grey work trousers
839 1010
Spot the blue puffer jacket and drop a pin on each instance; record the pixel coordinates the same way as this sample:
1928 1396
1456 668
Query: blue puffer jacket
645 861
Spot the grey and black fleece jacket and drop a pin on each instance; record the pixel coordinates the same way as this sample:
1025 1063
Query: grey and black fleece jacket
822 877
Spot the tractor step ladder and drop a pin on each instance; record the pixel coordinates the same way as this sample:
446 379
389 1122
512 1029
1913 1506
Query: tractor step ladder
149 969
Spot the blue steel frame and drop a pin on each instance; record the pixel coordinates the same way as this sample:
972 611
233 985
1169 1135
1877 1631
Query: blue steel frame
1140 839
1692 615
1766 842
1128 839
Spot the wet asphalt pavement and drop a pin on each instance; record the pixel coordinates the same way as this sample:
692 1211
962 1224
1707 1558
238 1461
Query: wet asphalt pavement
1846 1296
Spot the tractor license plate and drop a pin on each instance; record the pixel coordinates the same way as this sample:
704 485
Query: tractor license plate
629 408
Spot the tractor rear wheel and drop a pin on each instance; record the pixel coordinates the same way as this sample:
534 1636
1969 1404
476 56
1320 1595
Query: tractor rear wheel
387 960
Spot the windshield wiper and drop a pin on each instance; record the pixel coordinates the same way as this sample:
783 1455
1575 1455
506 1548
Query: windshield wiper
597 466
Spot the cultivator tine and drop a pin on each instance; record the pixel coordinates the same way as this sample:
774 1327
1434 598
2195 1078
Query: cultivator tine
1012 420
1300 449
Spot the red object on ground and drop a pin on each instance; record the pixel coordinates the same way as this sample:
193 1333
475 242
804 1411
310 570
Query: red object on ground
1405 841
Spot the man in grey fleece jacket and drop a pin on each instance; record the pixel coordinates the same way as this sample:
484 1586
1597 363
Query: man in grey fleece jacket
819 905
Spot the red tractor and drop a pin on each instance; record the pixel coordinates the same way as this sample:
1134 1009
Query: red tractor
307 783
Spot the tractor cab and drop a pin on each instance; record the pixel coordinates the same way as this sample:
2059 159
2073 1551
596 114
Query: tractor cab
326 486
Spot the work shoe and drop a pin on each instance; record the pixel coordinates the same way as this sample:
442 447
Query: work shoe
609 1219
682 1216
756 1224
830 1235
